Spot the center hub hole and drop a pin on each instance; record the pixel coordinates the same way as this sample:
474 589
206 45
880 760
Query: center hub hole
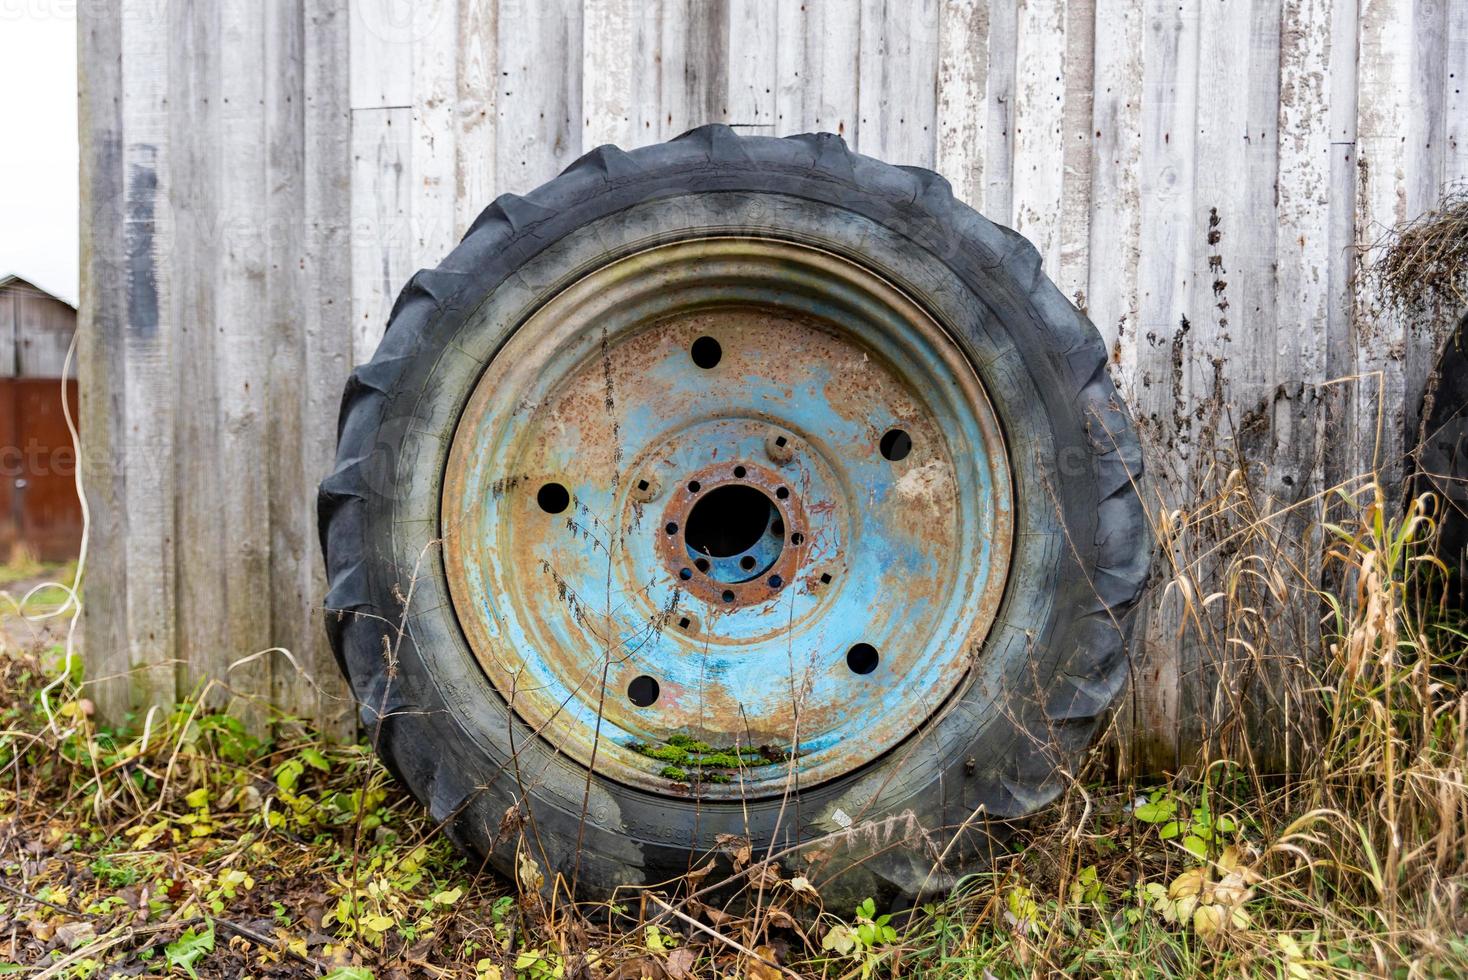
737 530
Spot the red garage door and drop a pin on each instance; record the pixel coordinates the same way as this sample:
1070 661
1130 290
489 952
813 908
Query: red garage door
39 509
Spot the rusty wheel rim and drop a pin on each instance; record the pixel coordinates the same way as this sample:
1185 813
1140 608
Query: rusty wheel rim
724 513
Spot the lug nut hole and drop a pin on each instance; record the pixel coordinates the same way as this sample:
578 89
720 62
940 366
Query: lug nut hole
706 352
728 595
797 538
694 486
862 658
702 564
776 581
671 527
643 691
747 562
685 573
553 498
782 492
896 444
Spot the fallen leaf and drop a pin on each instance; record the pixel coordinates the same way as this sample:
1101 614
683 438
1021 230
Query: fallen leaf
680 964
76 934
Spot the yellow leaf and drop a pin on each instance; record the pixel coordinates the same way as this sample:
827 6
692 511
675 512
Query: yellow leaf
1207 920
378 923
198 798
448 897
529 873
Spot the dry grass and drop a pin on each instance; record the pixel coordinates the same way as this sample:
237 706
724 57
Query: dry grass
186 845
1424 264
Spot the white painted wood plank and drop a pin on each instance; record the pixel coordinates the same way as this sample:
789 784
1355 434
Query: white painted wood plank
434 160
898 70
381 237
242 366
1169 105
539 101
1340 347
196 104
832 90
999 112
1426 117
692 62
963 72
1039 107
1385 90
148 384
753 45
475 115
1078 92
325 320
382 35
1115 226
1301 285
607 59
1455 91
101 332
792 79
294 597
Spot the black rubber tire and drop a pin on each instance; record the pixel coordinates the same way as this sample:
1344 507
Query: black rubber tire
1054 660
1441 458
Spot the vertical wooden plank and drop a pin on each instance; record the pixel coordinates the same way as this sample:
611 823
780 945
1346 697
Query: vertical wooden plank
1153 735
478 77
694 64
753 57
1384 154
607 59
325 319
816 58
1039 105
294 601
792 80
382 158
1301 285
1234 209
147 438
243 564
1052 135
382 34
1115 226
200 237
898 70
999 111
1078 92
1455 90
539 103
1426 175
963 74
434 160
1340 345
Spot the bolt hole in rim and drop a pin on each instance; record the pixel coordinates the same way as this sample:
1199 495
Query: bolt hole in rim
900 547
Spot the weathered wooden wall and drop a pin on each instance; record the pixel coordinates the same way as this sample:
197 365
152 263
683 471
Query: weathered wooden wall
262 177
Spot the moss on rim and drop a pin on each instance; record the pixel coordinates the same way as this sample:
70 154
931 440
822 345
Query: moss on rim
688 759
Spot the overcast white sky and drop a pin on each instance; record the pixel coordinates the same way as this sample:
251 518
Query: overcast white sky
38 154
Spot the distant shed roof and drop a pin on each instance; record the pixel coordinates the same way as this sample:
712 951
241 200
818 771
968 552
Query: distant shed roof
36 327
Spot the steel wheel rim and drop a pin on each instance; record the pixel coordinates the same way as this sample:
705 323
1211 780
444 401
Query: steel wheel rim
877 567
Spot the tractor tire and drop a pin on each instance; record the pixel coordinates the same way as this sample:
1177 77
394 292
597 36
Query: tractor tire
734 492
1441 459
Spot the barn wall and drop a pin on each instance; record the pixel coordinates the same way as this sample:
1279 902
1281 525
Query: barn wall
1202 177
